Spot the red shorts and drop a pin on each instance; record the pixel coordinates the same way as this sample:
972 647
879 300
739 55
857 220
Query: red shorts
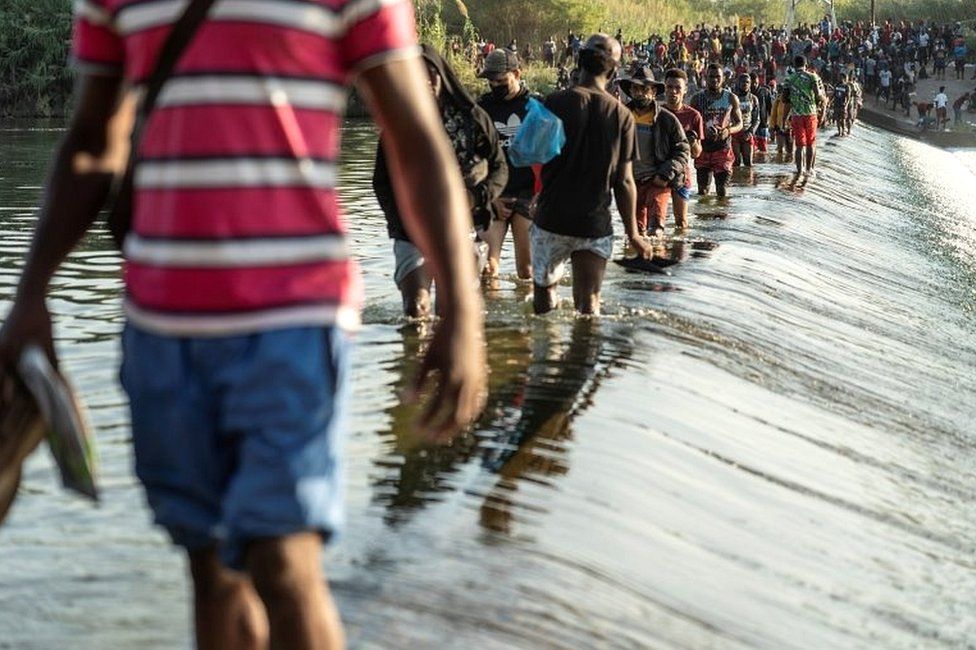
716 161
652 204
739 138
804 129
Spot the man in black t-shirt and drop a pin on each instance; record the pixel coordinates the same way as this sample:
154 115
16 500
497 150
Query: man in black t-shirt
573 217
507 103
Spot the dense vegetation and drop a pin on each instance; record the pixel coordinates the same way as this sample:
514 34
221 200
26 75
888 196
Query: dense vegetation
34 39
34 34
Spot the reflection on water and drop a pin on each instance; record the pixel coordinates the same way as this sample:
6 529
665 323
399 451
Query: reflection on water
542 377
528 438
766 441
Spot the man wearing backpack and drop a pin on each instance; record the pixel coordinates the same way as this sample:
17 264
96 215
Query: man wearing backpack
573 222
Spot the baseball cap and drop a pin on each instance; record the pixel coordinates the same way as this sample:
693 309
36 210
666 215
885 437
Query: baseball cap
499 62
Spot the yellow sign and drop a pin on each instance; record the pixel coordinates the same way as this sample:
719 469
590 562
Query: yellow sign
745 25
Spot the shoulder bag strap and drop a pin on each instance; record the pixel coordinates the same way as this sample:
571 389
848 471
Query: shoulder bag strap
176 41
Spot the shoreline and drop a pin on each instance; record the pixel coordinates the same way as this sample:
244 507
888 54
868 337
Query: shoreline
895 120
944 139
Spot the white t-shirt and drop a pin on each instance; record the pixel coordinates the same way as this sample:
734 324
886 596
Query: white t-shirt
885 78
941 100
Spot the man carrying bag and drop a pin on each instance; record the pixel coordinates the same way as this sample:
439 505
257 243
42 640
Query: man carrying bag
239 286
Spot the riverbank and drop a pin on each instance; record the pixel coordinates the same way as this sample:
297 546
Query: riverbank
961 134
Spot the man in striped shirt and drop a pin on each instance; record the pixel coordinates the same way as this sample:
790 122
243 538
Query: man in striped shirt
239 284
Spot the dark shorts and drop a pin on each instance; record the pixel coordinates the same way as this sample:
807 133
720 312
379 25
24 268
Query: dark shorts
238 438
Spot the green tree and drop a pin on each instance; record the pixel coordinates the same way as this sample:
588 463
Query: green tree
35 35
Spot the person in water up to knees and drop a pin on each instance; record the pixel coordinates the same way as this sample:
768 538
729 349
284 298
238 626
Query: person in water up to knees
675 88
507 104
719 107
240 289
572 222
662 147
479 155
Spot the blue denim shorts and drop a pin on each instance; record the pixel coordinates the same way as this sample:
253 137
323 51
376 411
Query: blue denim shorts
238 438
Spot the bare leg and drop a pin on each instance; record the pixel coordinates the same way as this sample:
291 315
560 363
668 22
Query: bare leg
543 298
721 182
680 207
523 249
746 153
495 237
415 290
588 270
704 180
811 156
287 573
227 610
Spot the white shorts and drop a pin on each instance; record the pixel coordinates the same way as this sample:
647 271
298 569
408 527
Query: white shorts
550 252
408 259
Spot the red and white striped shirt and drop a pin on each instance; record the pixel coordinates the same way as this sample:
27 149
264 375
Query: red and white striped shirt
236 222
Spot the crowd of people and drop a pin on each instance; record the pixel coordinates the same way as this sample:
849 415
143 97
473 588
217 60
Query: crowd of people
645 124
239 285
885 60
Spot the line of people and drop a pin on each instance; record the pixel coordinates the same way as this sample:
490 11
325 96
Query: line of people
639 139
886 59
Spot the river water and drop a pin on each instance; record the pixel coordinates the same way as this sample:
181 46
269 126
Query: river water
771 447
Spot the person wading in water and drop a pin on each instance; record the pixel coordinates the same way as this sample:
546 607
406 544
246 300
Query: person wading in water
483 168
507 103
719 107
572 222
807 101
240 286
675 88
663 150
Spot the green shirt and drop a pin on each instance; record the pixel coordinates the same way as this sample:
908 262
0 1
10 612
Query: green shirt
805 89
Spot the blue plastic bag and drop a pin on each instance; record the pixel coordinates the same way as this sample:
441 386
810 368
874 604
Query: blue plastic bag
540 138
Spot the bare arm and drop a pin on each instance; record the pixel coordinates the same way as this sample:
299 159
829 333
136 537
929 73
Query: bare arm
93 151
434 208
735 120
754 116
